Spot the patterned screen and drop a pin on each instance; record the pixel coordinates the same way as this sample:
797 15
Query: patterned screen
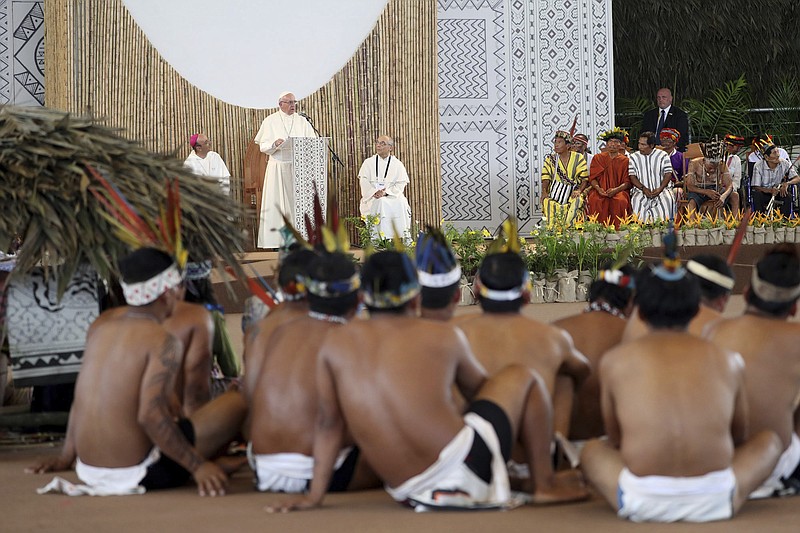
511 72
21 52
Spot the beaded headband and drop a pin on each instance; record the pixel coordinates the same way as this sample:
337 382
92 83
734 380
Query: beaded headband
148 291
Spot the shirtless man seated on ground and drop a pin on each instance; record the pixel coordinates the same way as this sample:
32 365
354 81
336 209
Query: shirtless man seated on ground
193 325
390 378
594 331
283 409
716 283
123 426
501 335
769 344
294 305
675 412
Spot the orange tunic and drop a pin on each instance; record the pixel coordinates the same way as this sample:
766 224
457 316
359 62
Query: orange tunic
609 173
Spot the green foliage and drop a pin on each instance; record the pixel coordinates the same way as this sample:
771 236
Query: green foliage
784 122
723 111
469 246
693 46
629 113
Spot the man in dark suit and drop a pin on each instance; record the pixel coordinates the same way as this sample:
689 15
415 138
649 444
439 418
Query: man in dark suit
667 115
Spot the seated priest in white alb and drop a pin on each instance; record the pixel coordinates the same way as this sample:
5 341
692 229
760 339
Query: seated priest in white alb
207 163
383 179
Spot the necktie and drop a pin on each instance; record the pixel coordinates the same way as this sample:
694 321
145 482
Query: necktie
661 120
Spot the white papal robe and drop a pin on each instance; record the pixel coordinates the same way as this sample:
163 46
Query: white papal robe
211 167
278 195
390 175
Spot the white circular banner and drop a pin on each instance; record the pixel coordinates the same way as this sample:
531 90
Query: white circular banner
247 52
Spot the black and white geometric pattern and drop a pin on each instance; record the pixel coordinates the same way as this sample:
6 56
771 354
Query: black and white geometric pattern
310 159
22 52
46 337
512 72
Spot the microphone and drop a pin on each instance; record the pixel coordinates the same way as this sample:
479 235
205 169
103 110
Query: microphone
302 114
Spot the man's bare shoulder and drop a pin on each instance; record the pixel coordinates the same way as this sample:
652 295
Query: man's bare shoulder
187 314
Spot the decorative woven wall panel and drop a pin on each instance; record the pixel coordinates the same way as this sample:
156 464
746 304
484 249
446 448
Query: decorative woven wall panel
511 73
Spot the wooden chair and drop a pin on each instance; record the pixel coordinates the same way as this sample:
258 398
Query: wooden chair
255 166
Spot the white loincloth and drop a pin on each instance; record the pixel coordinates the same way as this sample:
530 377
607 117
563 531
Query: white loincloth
102 481
450 483
286 472
672 499
787 464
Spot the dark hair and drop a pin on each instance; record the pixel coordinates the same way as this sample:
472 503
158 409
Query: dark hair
664 303
708 289
503 271
143 264
780 267
387 271
768 150
332 267
611 293
295 264
438 297
651 137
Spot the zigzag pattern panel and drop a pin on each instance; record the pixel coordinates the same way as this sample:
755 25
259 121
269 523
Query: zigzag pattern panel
547 62
465 176
5 54
462 58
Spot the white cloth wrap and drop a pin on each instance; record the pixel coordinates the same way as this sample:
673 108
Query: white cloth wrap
145 292
671 499
104 481
449 473
285 472
788 462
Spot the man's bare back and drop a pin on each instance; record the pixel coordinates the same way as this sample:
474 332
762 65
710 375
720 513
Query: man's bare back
393 381
257 339
695 389
283 409
193 325
769 347
593 333
502 339
123 348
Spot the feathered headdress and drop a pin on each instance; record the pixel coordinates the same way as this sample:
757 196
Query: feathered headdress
507 241
331 236
713 150
669 133
615 133
436 263
163 234
761 144
670 268
734 140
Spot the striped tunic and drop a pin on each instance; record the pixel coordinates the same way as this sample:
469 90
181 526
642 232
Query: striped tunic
650 170
564 179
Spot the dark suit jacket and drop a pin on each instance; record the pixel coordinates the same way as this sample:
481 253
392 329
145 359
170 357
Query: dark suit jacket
676 118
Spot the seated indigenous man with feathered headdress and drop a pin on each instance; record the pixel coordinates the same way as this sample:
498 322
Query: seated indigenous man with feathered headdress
284 399
123 428
501 335
675 411
708 182
563 176
608 197
387 381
